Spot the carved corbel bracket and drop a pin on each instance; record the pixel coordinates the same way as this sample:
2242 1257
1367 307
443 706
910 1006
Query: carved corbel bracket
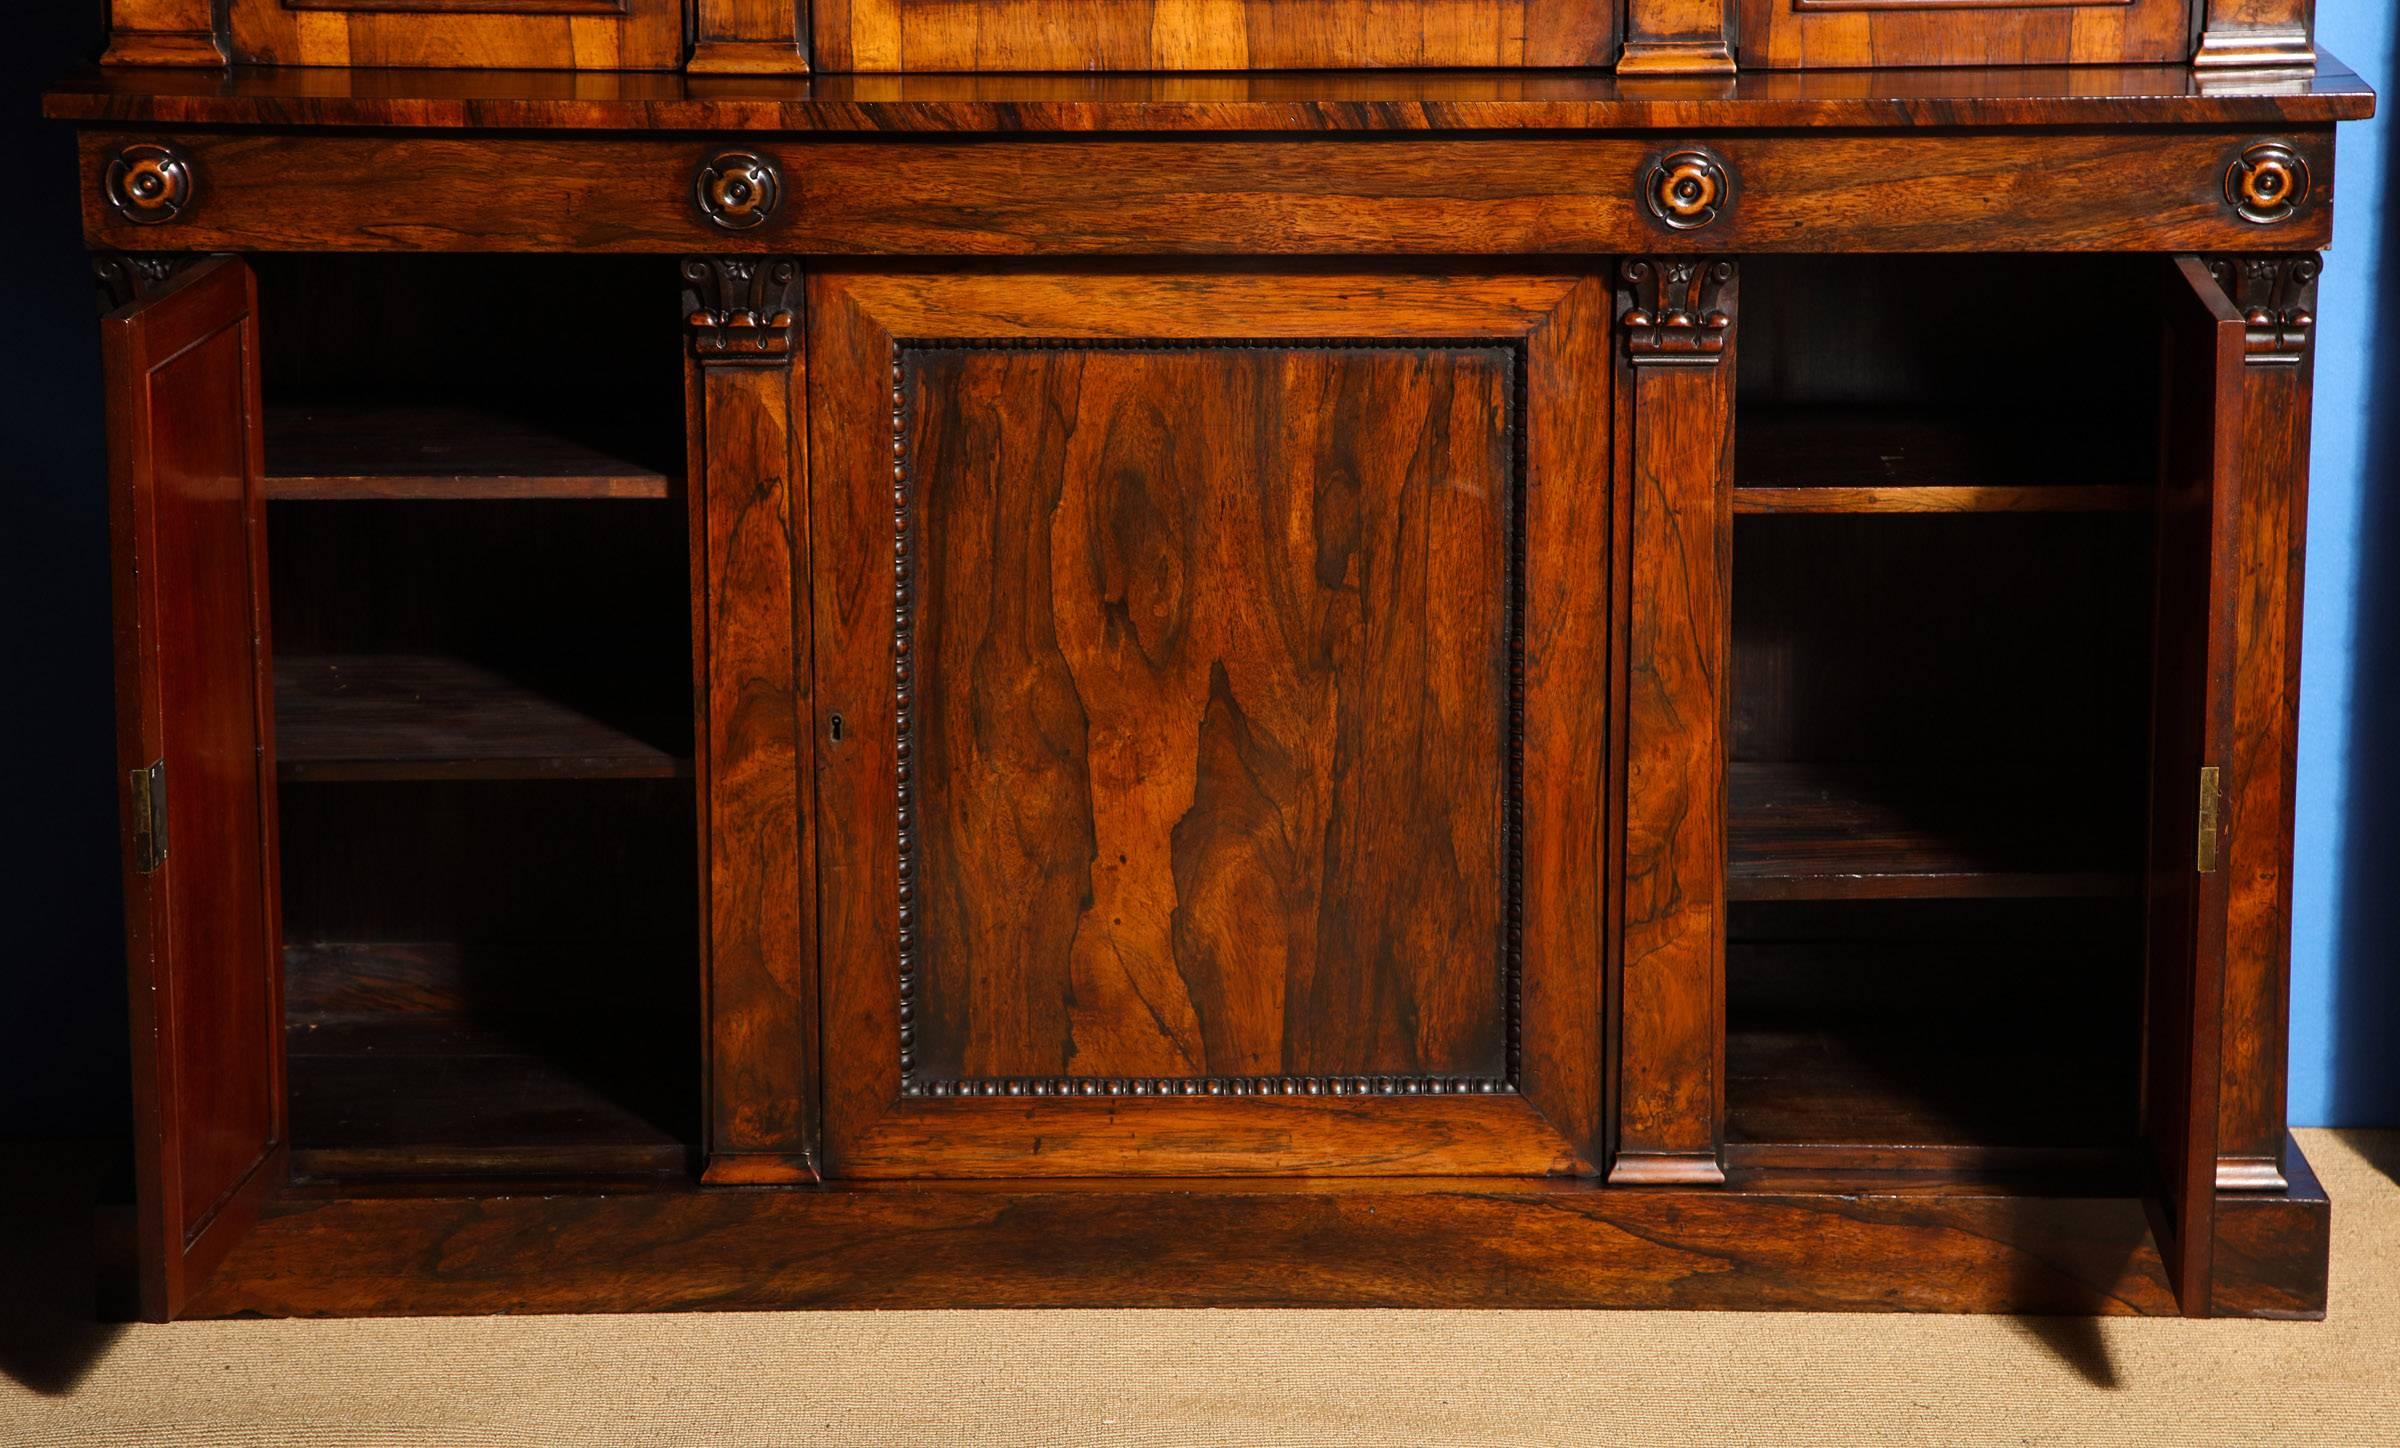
1677 313
741 308
2277 297
126 277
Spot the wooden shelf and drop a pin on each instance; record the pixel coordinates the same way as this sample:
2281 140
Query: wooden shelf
434 1096
414 716
1862 460
1929 1054
1830 832
435 1060
338 453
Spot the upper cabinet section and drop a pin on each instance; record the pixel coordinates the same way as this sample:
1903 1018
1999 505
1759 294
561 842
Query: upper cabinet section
498 34
1840 34
1189 35
1636 38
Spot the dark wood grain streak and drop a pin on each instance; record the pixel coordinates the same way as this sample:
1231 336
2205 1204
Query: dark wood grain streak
187 516
749 449
1675 465
1403 100
1489 196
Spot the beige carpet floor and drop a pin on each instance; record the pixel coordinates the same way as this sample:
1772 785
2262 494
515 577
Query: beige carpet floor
1255 1377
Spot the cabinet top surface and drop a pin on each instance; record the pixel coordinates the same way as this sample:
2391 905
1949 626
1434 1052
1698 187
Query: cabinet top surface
1246 101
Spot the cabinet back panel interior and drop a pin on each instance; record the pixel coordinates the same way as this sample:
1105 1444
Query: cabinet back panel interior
490 978
473 376
479 592
1936 749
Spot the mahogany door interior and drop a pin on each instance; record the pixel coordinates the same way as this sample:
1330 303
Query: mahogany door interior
1208 721
196 752
2192 760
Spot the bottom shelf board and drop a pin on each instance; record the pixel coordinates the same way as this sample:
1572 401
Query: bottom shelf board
1884 1056
409 1094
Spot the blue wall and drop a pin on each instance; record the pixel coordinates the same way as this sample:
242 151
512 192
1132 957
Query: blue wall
2346 883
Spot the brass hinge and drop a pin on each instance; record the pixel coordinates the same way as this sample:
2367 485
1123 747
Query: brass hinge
2208 819
150 817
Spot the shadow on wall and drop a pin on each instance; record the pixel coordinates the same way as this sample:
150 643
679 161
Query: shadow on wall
2365 1075
62 1038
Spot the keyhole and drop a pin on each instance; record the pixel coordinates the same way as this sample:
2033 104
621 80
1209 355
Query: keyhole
837 728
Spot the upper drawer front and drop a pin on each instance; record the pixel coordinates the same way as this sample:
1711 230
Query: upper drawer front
494 34
1188 35
2151 190
1840 34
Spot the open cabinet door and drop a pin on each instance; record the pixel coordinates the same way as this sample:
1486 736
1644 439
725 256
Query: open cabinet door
2191 726
196 760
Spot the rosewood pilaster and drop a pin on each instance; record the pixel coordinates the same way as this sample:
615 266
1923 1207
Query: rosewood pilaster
746 386
1675 323
2276 295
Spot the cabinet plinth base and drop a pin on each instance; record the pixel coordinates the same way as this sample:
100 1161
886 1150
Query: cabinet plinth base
1771 1240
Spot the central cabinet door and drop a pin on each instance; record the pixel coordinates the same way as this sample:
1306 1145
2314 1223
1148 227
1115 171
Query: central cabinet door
1210 679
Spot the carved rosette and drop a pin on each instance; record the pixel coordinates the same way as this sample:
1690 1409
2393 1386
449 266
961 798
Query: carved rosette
127 277
2277 297
1675 316
150 185
738 190
2266 183
741 308
1687 189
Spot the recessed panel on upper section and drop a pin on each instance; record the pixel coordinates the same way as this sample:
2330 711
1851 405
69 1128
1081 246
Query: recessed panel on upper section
501 34
1190 35
1848 34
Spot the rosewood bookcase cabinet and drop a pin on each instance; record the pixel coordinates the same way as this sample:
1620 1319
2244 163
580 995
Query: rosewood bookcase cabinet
1015 652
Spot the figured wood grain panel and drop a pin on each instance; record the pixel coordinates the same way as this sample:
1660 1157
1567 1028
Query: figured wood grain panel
1212 765
202 920
1199 35
1675 468
1835 34
1481 196
1179 716
487 34
748 443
